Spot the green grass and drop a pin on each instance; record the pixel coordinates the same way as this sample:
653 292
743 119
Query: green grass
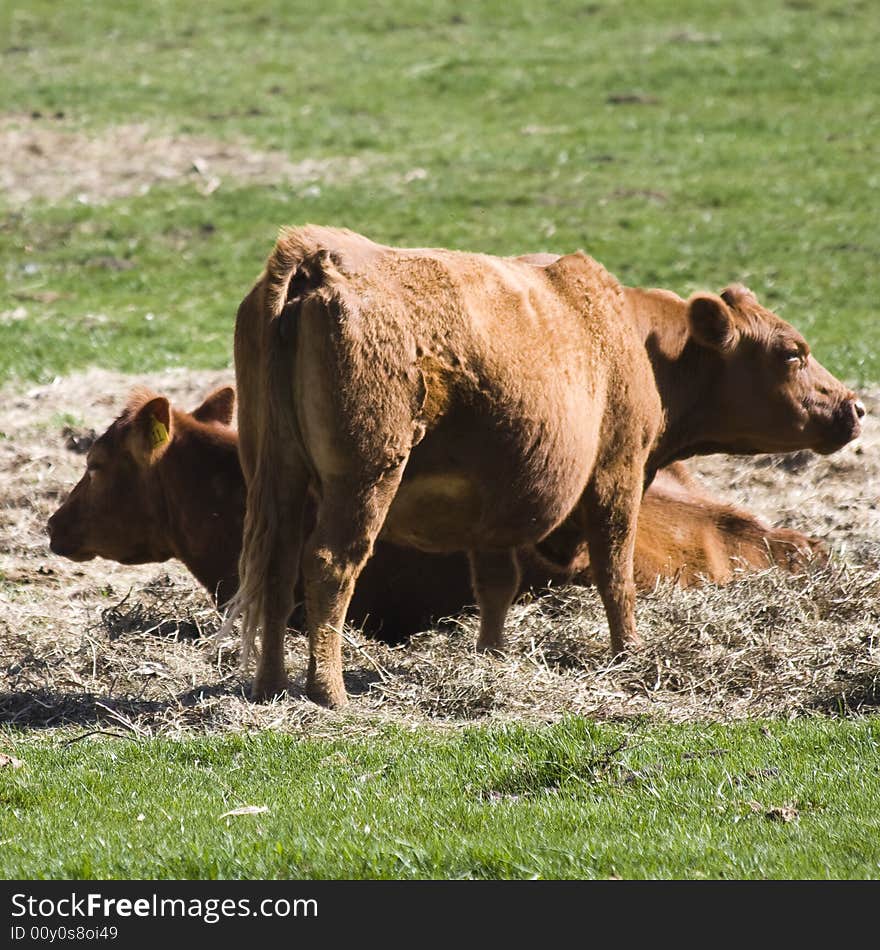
574 800
751 155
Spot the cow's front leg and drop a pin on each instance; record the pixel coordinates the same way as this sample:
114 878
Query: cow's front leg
495 576
611 509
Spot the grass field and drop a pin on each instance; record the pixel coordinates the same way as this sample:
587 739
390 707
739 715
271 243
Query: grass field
695 144
151 152
571 800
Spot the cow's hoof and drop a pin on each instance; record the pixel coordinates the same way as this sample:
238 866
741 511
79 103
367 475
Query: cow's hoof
498 652
333 696
267 688
496 648
621 649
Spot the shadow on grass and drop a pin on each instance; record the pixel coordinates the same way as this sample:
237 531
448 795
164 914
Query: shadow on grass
139 619
855 695
49 709
45 709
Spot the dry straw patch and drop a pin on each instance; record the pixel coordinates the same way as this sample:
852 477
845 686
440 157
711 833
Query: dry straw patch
120 650
47 158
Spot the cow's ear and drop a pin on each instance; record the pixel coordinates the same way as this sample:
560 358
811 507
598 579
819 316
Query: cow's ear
218 407
738 296
711 323
151 430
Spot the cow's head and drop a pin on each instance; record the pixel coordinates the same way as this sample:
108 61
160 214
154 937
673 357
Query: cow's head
117 509
767 392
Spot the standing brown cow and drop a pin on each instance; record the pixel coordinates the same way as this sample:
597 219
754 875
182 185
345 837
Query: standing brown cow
457 401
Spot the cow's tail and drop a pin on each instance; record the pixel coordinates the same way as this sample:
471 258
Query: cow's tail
273 456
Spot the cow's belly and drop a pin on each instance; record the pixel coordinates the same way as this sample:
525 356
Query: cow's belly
478 483
496 474
435 513
453 511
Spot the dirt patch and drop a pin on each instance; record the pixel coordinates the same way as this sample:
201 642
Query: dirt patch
47 158
121 650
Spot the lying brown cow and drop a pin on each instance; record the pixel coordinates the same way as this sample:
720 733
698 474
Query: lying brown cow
461 402
136 505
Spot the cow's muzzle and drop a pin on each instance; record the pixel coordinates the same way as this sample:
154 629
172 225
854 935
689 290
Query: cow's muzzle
846 424
72 554
63 544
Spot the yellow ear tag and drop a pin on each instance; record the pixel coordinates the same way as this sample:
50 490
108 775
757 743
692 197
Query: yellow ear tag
158 433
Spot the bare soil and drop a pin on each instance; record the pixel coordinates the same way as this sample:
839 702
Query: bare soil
47 158
122 650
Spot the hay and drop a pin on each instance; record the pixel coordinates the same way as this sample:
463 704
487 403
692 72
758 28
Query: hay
99 648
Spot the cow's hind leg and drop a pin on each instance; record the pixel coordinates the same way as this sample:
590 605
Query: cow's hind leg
285 499
495 576
611 508
350 515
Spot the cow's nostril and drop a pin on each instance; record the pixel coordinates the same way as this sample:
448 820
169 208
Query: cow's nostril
860 408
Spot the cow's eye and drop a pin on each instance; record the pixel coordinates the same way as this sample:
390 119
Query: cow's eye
790 357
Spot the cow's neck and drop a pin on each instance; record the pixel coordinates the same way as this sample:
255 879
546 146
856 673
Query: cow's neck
203 491
684 374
